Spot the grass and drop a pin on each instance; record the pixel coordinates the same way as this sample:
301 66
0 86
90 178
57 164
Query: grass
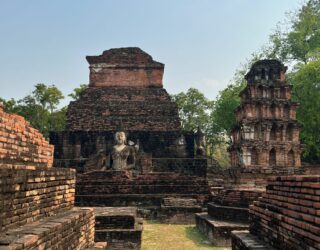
158 236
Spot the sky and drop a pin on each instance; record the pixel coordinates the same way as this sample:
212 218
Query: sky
201 43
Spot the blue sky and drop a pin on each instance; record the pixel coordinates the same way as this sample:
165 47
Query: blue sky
201 42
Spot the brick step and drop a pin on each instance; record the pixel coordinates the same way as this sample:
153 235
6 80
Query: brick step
217 231
140 190
118 237
180 202
228 213
114 222
243 240
72 229
145 180
140 200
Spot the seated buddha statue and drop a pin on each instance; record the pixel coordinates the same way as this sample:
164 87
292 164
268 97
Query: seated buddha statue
122 155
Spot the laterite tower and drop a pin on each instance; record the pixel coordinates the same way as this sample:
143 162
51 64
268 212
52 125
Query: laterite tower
266 133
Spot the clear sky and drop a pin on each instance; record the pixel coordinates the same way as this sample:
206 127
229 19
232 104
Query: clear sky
201 42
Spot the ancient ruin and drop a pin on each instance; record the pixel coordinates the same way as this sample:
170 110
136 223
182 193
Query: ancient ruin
125 139
125 147
267 132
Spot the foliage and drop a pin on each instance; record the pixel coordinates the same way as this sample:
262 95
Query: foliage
75 95
40 108
194 109
299 38
223 117
9 104
306 91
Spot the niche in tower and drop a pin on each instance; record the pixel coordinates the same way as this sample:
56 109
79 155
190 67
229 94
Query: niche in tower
272 157
290 158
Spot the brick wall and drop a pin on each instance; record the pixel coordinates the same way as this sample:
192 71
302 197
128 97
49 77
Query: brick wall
238 197
126 108
125 67
27 195
36 201
22 145
287 215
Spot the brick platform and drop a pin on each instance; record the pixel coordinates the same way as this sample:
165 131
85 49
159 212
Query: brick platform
287 215
28 195
148 192
120 227
72 229
218 231
228 212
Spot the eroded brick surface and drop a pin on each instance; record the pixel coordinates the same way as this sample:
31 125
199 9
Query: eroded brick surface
22 145
125 67
287 215
36 201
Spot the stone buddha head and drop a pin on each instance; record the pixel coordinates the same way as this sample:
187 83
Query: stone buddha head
120 138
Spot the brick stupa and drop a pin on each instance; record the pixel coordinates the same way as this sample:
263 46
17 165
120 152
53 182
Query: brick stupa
125 92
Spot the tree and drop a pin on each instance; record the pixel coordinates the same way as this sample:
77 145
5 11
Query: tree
9 105
194 109
306 90
299 38
47 96
223 117
40 108
75 95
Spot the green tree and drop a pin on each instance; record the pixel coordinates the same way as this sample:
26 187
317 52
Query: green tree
40 108
299 37
9 105
223 116
75 95
306 90
194 109
47 96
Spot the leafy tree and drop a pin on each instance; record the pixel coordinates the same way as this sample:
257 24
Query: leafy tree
40 108
58 119
194 109
9 105
299 38
306 90
223 117
47 96
75 95
34 112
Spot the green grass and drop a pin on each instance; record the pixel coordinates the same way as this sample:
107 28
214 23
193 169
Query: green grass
158 236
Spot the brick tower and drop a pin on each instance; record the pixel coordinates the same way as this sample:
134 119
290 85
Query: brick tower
266 133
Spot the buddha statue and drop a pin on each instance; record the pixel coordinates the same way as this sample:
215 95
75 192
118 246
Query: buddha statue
122 155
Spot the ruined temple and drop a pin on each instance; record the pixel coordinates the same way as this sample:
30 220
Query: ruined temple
266 133
125 94
124 137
